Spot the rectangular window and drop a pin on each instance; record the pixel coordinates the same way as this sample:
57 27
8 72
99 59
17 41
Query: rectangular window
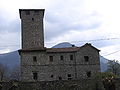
61 57
71 57
34 59
35 75
51 58
69 77
88 74
27 12
86 58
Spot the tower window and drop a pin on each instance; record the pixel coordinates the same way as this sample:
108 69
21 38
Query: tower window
71 57
86 58
27 12
61 57
51 58
35 75
34 59
88 74
36 12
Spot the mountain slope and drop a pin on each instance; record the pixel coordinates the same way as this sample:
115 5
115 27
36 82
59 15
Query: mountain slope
103 64
10 59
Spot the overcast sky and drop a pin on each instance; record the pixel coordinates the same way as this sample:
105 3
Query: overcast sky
74 21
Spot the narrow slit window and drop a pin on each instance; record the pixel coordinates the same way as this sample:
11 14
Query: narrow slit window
71 57
27 12
61 57
35 75
51 58
34 59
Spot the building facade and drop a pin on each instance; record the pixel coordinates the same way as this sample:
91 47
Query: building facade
39 63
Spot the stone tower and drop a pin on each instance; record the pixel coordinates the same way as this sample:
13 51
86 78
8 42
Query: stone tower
32 28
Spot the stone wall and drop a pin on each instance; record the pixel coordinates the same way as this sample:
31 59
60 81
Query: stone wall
84 84
54 70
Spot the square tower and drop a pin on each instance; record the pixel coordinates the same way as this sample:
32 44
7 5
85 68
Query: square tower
32 28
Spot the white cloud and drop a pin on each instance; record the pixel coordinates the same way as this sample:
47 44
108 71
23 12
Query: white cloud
9 41
111 52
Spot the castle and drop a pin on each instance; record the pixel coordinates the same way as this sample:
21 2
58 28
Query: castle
39 63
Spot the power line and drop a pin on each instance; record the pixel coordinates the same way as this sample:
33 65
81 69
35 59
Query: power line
96 40
112 53
92 40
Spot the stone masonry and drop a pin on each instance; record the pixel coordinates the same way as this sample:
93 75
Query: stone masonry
49 64
32 28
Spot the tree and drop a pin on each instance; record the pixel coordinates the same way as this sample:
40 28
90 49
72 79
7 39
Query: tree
3 72
114 67
15 73
107 78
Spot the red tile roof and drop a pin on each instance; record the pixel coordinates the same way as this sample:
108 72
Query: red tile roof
70 49
54 50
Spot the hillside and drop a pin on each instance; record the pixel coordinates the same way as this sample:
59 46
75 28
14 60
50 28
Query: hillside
103 63
10 59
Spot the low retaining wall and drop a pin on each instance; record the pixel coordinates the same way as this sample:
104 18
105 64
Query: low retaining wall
83 84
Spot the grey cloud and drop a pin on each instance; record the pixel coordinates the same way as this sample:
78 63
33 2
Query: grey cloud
57 25
98 41
105 43
6 26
